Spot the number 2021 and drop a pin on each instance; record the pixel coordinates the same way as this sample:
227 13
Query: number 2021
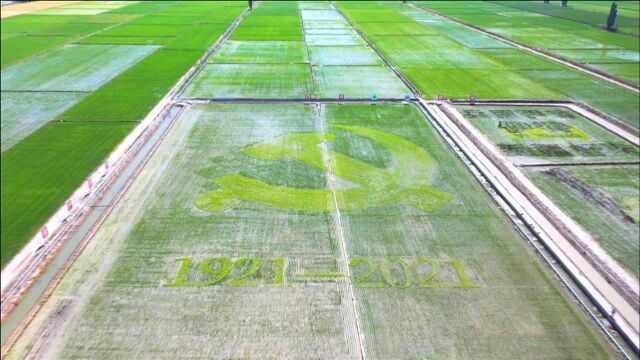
379 273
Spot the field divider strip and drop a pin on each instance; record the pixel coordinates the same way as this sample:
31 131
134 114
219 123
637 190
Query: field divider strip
47 91
342 241
577 66
200 100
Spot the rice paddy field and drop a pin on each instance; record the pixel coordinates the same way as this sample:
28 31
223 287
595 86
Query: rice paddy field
546 135
469 63
83 75
285 50
581 177
577 33
306 231
602 199
277 220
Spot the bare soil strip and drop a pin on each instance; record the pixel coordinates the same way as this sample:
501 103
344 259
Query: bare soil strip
19 9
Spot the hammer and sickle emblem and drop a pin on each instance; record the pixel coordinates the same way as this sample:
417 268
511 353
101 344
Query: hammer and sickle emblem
407 182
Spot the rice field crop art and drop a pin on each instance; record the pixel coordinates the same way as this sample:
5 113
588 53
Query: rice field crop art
538 135
323 231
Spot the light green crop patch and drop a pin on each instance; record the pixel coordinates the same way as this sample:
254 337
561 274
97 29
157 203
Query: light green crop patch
540 130
405 183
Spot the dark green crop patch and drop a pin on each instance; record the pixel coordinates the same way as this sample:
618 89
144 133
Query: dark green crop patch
130 96
43 170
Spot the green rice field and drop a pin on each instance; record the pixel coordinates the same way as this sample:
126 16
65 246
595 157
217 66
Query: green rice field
302 204
580 28
52 71
469 63
190 241
297 52
35 182
602 199
538 135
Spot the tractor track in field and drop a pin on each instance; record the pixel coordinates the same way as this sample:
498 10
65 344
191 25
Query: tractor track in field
580 67
342 243
306 49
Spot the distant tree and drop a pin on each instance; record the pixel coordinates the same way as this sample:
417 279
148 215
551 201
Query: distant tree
564 3
611 21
